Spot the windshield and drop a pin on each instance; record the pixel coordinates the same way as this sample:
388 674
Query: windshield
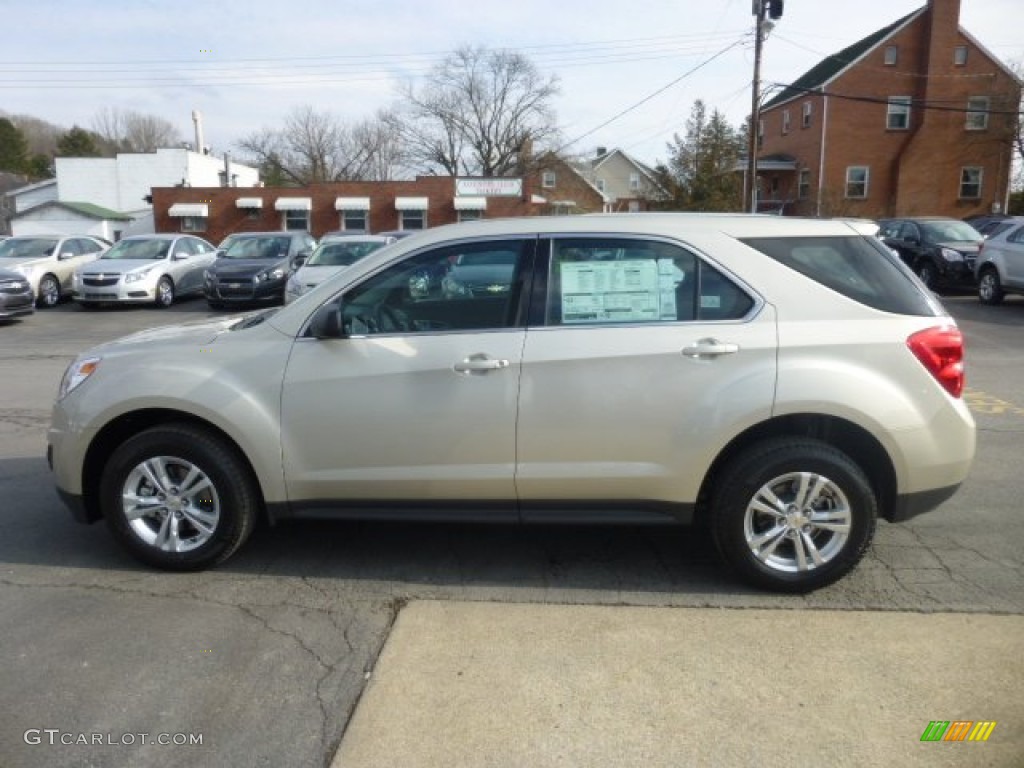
950 232
258 248
22 248
138 249
342 254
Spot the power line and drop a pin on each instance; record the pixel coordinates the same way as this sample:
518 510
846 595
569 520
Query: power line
935 106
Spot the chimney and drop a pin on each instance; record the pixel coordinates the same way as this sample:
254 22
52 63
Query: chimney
943 30
197 119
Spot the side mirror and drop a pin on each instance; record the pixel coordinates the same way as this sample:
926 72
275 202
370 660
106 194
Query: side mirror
326 322
299 259
218 253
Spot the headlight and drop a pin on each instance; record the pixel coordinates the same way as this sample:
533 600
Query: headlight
950 255
77 372
134 277
270 274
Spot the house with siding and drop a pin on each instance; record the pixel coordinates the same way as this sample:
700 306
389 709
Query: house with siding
915 119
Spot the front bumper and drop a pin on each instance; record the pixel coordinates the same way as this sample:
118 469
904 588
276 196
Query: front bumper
243 291
16 304
142 291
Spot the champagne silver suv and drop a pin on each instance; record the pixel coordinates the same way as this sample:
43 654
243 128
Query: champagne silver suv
782 381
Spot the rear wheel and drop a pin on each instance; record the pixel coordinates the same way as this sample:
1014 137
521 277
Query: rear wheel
990 287
178 497
49 291
793 514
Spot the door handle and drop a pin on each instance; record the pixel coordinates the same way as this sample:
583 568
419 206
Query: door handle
710 348
480 363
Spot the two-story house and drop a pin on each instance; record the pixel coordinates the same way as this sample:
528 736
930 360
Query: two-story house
916 118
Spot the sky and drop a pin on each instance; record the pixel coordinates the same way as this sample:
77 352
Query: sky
628 72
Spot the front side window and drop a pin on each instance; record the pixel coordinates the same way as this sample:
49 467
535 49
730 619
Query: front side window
296 220
977 113
1017 236
464 287
897 116
594 281
354 220
857 181
970 183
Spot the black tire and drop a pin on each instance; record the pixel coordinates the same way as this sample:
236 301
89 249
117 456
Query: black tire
205 526
738 527
927 273
49 292
990 287
164 293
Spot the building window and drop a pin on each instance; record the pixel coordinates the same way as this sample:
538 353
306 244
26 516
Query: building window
970 183
253 213
471 214
354 220
977 113
897 116
599 183
804 184
891 54
296 221
760 133
960 55
547 179
412 219
634 181
785 121
805 118
193 223
857 181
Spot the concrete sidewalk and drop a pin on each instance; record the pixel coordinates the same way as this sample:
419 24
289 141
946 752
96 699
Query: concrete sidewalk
486 684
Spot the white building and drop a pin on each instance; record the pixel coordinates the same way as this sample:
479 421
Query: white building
107 195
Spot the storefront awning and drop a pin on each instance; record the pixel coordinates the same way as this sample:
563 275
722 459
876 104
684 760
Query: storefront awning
249 202
293 204
470 203
412 203
181 210
352 204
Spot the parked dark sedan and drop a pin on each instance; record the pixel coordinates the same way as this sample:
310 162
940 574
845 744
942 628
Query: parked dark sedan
16 297
941 251
255 267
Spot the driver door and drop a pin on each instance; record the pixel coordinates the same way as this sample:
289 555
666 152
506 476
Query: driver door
418 402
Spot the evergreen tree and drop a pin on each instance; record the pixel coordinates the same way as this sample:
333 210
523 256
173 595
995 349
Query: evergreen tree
77 142
13 148
702 163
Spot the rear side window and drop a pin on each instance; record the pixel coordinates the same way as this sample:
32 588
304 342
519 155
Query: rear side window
857 267
595 281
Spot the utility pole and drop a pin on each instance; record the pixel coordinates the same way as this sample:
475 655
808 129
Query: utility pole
762 10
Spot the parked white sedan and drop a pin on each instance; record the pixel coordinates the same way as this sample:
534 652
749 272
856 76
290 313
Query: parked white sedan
49 261
333 255
145 269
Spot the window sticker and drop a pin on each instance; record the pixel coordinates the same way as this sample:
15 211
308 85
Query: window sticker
627 291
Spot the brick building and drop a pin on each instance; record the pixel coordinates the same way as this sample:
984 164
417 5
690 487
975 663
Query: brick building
368 206
916 118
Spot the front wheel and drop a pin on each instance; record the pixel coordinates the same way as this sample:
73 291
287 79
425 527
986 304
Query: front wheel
49 291
164 293
179 498
928 275
793 514
990 288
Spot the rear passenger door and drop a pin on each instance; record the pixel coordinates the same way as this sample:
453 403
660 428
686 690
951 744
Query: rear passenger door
639 357
1013 253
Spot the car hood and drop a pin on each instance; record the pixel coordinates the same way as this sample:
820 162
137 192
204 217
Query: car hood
960 245
241 268
200 333
314 275
23 263
118 266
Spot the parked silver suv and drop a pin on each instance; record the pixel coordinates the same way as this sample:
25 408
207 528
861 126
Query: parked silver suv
783 381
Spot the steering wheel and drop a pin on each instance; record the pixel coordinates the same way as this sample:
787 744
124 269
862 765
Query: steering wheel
387 319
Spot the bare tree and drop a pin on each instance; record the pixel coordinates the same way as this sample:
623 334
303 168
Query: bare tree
317 147
129 131
477 111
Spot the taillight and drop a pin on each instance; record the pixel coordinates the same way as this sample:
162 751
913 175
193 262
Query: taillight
941 351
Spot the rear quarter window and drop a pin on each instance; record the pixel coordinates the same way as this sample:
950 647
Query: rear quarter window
857 267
